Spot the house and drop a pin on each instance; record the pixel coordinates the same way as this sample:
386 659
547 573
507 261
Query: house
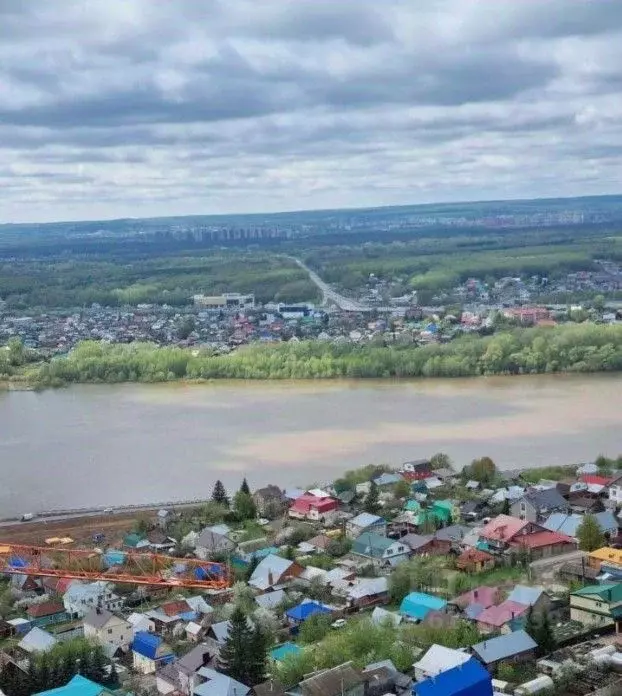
439 659
454 534
343 680
469 679
447 476
320 542
214 540
109 630
270 501
271 600
503 529
543 544
365 523
500 618
537 505
426 545
568 524
37 640
217 684
77 686
607 560
307 608
484 596
380 616
598 605
614 490
217 634
387 479
534 597
368 591
28 585
141 622
47 613
418 467
518 646
159 541
273 571
316 508
417 605
81 598
180 676
20 627
583 502
150 652
380 550
474 561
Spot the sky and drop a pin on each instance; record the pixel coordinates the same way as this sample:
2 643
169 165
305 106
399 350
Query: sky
133 108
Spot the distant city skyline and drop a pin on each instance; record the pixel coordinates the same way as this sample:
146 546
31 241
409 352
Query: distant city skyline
130 108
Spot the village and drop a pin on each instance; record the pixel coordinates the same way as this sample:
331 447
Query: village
419 580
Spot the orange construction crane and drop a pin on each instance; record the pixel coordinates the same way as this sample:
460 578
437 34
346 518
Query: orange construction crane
113 566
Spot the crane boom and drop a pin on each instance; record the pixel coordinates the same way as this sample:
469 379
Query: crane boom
113 566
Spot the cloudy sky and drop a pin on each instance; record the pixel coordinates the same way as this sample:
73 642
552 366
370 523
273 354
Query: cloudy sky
113 108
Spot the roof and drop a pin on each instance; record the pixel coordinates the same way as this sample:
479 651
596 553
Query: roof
498 616
270 600
282 651
367 587
332 682
199 605
608 592
175 608
270 688
525 595
454 533
194 659
387 479
194 628
35 611
473 611
98 618
549 498
150 645
503 528
537 540
320 541
598 480
37 640
366 519
269 572
370 544
380 615
219 684
484 595
474 556
82 593
78 686
607 555
417 541
469 676
417 604
439 659
505 646
304 610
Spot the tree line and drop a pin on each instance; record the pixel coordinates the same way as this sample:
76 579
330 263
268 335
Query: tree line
567 348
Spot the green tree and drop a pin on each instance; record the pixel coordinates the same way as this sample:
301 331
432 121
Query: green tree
544 635
505 508
236 653
401 489
483 470
141 525
372 499
531 625
244 487
258 658
440 460
244 506
219 494
315 628
590 534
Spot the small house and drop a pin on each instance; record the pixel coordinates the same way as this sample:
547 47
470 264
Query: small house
273 571
47 613
109 630
367 592
417 605
270 501
366 523
426 545
539 504
149 652
518 646
598 605
501 617
303 611
475 561
344 680
214 540
37 640
381 550
438 659
311 507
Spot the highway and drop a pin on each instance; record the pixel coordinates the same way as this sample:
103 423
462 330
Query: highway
332 296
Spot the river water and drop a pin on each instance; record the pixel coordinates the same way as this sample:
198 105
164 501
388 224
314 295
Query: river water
112 445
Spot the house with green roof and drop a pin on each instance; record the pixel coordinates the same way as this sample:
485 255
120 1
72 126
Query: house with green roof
380 550
78 686
598 605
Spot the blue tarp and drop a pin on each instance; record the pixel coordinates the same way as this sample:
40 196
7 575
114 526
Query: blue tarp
17 562
112 558
303 611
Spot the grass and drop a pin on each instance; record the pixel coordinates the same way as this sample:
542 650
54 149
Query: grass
553 473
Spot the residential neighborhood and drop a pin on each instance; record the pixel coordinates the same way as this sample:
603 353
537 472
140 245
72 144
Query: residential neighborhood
420 580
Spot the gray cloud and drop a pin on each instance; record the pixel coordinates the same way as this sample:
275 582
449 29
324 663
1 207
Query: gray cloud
134 107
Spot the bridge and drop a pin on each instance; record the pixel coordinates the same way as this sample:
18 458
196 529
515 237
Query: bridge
114 566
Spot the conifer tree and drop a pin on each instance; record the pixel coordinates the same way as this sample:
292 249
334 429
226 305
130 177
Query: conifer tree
244 487
219 494
235 655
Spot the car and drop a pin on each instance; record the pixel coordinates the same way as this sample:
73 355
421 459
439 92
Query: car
27 516
339 623
108 511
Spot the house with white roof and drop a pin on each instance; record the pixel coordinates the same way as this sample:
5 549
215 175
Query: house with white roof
439 659
37 640
80 599
366 522
273 571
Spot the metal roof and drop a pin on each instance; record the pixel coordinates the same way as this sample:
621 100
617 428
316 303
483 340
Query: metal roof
505 646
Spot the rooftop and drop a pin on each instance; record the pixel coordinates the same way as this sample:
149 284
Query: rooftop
502 647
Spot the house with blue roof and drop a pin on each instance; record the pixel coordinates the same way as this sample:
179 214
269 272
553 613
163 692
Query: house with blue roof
300 613
517 646
284 650
534 597
417 605
568 524
77 686
387 479
149 652
381 550
364 523
468 679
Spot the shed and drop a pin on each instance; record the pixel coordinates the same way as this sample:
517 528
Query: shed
417 605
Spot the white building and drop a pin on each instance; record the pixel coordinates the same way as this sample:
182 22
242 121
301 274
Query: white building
80 599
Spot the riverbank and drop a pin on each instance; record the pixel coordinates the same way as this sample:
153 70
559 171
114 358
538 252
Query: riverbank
579 348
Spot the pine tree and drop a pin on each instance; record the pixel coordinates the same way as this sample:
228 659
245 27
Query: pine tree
244 487
531 627
590 534
258 657
544 637
371 503
219 494
235 655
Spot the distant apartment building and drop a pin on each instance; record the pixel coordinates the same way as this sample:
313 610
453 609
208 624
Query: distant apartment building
228 300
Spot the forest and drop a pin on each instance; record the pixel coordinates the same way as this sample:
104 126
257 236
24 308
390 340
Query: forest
583 347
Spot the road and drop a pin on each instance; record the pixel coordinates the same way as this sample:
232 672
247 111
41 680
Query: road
332 296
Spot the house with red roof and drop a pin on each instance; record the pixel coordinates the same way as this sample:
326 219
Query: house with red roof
500 532
484 595
500 617
543 544
312 507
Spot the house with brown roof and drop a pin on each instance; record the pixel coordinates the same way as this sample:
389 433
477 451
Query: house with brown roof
47 613
543 544
343 680
475 561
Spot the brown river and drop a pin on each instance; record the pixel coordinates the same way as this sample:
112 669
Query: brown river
113 445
